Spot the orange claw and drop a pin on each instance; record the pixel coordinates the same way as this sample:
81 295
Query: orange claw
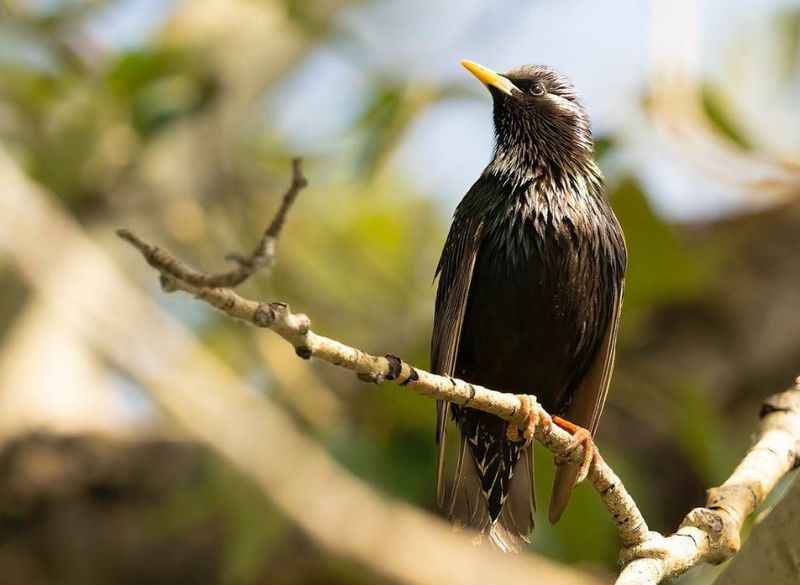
568 426
580 436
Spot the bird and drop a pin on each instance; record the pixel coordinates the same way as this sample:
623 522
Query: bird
528 301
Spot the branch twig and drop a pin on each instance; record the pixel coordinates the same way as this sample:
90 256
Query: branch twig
709 534
262 256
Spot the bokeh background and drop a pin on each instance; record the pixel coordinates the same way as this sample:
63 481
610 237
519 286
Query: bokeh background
179 119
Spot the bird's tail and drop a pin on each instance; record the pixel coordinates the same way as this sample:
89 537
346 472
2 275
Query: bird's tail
468 505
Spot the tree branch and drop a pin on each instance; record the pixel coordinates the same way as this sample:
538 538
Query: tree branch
772 551
709 534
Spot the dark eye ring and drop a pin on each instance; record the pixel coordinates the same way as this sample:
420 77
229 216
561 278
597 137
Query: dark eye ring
537 89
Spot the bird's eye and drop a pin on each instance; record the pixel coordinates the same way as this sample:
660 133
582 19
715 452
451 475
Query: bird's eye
537 88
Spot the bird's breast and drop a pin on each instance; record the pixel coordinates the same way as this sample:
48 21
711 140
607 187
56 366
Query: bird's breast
539 302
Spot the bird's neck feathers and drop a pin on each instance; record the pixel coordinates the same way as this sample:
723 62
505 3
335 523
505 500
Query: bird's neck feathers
555 150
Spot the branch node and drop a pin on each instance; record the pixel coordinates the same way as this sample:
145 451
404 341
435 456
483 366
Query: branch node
167 283
303 351
706 520
723 536
653 547
413 376
264 315
239 259
304 324
471 396
395 366
611 487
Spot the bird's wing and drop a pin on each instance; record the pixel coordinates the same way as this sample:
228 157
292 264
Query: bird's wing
593 389
587 406
455 275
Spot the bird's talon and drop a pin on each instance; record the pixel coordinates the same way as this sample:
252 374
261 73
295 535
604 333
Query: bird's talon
580 437
588 459
545 421
526 431
538 419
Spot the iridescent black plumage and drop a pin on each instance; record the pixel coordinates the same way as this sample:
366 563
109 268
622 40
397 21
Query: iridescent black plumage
529 297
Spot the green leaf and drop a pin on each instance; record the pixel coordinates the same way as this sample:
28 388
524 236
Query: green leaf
136 69
159 86
718 112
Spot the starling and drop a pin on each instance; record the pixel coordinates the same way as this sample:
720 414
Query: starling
529 296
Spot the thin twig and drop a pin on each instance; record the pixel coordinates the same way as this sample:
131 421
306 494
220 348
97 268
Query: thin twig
262 256
299 182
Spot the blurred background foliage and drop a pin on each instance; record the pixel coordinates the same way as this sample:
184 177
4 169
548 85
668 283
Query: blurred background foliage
178 119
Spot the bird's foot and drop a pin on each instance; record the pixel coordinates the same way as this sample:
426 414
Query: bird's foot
535 417
580 437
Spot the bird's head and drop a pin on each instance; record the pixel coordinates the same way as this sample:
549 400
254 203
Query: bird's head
539 122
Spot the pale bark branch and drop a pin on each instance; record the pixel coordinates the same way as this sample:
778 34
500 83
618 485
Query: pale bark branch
771 554
712 534
709 534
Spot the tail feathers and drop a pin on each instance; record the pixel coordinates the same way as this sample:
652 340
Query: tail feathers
506 540
566 476
441 445
468 507
519 510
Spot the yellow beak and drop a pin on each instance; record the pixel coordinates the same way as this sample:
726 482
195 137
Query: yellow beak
489 77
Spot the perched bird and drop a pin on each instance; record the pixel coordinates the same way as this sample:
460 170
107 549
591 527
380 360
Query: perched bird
529 297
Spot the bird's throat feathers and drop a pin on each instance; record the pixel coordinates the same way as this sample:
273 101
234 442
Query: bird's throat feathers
536 149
